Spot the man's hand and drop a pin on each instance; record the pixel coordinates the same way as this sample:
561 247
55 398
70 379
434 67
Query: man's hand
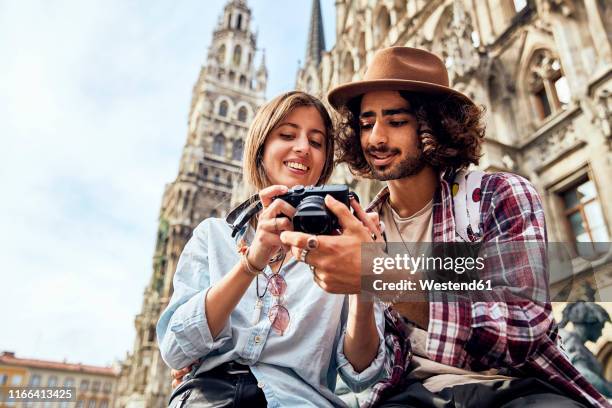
336 261
177 375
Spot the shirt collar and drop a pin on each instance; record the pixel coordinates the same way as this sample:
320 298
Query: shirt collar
443 218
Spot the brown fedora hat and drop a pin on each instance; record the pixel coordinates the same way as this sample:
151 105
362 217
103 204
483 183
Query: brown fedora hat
398 69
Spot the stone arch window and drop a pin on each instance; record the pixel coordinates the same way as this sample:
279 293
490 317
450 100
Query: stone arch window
205 172
228 21
237 150
232 76
229 179
219 145
546 84
237 55
221 54
217 177
243 80
223 106
381 25
242 114
239 22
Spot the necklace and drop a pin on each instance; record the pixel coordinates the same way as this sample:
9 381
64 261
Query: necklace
398 230
276 283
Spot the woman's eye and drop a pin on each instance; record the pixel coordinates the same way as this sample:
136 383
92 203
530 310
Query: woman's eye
286 136
316 144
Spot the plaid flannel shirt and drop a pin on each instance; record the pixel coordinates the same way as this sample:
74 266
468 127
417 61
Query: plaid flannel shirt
519 336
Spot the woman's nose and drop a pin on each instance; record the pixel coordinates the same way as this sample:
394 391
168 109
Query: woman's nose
302 144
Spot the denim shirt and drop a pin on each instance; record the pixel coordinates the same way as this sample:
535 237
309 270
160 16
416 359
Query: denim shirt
296 369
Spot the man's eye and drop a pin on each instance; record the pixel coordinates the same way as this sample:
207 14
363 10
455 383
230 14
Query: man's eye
365 126
398 123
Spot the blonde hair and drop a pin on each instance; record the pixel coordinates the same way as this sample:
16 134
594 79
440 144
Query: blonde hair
266 120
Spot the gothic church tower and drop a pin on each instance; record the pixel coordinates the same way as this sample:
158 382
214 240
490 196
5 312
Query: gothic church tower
309 76
228 92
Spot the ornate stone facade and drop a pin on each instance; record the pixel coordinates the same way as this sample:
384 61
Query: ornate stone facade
227 94
542 69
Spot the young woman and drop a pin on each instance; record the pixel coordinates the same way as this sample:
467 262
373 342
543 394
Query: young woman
262 332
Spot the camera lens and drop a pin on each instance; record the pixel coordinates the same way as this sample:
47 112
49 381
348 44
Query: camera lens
312 217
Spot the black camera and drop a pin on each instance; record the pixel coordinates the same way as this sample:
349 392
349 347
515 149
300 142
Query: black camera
312 216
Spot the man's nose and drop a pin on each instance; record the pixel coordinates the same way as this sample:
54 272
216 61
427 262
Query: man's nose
378 134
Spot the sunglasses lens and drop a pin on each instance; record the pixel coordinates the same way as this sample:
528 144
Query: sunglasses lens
277 285
279 316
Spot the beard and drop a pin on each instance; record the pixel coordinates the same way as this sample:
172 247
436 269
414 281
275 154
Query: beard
407 166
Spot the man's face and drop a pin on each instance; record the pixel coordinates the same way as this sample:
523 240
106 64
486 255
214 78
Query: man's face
388 135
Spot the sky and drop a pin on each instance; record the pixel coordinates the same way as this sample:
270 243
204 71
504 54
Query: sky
94 98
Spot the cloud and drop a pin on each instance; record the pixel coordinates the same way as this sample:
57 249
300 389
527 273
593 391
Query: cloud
94 98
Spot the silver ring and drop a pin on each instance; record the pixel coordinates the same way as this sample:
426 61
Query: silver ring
303 254
312 268
312 242
373 236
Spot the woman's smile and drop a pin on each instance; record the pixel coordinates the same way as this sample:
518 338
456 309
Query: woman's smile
297 167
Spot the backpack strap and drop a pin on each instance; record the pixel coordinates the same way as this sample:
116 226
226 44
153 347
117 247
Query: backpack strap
466 190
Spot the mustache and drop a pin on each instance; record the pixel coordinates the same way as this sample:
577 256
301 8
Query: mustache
381 149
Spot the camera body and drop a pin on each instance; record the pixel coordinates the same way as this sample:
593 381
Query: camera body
312 216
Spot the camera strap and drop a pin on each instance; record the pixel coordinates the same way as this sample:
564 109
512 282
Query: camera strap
243 213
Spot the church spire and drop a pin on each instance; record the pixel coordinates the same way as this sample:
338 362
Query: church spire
316 36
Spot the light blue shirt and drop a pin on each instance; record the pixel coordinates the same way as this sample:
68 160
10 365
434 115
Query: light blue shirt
297 369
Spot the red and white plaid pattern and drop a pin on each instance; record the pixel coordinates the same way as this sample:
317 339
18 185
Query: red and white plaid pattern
520 336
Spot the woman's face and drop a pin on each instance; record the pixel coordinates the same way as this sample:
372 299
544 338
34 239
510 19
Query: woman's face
294 152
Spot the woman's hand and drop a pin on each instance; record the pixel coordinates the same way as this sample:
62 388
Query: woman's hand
274 218
177 375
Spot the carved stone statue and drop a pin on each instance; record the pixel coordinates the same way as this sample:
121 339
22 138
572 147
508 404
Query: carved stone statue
589 319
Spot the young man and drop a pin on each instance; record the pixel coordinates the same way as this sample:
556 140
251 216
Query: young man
404 125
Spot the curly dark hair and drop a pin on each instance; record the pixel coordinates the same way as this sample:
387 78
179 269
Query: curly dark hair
450 131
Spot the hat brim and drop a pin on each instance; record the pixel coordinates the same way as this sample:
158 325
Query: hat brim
342 94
